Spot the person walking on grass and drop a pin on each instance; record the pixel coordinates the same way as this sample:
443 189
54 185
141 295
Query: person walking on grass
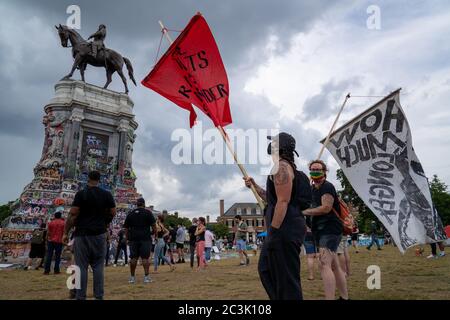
54 243
200 243
310 249
180 238
139 226
37 251
192 240
161 232
240 238
355 235
121 247
287 194
92 211
327 230
344 256
434 250
373 236
209 239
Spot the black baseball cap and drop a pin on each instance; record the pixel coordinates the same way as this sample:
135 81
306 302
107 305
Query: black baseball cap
285 142
140 201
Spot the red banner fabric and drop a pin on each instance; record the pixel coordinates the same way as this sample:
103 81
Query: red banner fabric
192 72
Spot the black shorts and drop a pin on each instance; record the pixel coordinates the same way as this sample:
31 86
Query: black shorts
140 249
354 236
328 241
37 251
180 245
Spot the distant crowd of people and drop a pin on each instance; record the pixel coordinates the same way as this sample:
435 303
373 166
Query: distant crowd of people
301 211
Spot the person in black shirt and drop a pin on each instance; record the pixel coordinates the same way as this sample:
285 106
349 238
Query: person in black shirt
192 240
161 233
38 242
327 230
92 210
172 243
287 195
121 246
139 226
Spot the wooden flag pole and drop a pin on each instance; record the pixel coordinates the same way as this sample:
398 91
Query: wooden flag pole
332 127
241 167
225 138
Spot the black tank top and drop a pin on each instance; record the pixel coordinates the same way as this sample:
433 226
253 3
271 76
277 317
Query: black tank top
293 225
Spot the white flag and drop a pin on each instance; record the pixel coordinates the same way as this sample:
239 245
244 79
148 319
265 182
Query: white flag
376 154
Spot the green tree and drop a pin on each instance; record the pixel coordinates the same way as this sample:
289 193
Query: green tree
173 221
349 195
5 212
220 230
441 199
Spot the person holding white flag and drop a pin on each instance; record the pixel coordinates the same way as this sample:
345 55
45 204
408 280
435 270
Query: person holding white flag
327 230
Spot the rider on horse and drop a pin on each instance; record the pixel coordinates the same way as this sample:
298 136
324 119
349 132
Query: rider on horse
99 37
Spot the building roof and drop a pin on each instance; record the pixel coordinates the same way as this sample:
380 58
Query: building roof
232 211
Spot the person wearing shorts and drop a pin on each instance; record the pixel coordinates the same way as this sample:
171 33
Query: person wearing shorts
180 238
139 225
344 256
327 229
355 236
240 237
310 249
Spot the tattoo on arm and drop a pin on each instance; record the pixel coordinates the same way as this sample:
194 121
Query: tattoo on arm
261 192
70 222
282 176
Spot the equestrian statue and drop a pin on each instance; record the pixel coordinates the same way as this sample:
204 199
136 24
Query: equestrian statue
94 53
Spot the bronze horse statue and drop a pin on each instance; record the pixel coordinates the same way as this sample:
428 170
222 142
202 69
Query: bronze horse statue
109 59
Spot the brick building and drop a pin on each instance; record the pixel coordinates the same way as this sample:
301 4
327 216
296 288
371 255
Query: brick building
250 212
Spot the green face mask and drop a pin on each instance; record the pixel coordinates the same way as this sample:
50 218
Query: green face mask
316 174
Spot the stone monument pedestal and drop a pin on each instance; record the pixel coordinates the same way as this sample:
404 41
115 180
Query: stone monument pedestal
86 128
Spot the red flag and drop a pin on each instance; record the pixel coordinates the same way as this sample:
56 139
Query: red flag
192 72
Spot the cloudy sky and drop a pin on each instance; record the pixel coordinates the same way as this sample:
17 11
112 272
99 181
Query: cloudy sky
289 64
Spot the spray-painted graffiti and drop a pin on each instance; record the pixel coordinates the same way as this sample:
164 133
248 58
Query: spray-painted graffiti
49 173
69 186
23 222
9 235
15 250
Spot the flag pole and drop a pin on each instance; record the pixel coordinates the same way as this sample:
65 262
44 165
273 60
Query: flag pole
333 126
224 136
241 167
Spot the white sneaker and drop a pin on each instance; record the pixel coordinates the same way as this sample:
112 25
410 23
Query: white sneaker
132 280
114 265
431 256
442 254
147 279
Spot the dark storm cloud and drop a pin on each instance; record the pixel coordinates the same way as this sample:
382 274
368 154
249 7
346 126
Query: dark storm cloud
34 61
323 104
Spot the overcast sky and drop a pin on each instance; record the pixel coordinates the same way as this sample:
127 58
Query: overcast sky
289 64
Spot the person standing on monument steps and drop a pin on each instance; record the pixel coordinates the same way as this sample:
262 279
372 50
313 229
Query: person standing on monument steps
139 226
92 210
287 193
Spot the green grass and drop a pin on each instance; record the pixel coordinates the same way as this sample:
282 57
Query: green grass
402 277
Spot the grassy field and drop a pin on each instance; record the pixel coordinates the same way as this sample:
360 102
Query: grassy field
402 277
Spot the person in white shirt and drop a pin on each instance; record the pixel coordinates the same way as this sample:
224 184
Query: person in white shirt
209 238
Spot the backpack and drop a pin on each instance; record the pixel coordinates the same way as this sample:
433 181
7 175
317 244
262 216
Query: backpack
345 217
37 236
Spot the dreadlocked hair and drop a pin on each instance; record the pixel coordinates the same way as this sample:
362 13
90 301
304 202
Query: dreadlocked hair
288 156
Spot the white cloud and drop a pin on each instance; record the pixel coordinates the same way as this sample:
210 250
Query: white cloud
410 54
